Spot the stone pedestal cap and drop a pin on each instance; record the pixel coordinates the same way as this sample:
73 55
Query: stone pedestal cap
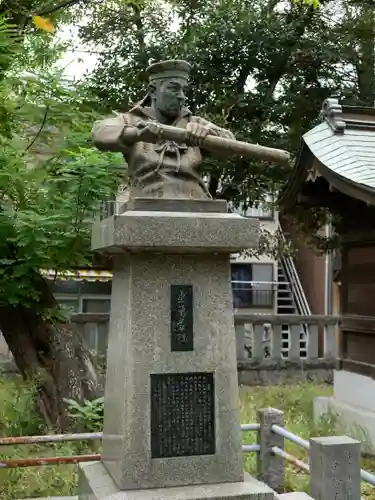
175 226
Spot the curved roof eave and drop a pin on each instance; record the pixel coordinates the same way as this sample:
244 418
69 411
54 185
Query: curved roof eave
299 175
342 150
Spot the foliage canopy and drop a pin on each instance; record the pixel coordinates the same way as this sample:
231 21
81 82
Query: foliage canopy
51 178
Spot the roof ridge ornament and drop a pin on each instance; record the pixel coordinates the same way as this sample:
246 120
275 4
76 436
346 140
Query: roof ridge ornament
331 113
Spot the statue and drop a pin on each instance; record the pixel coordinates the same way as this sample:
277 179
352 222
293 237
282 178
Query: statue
163 142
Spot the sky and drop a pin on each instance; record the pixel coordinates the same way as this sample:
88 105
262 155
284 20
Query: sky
77 61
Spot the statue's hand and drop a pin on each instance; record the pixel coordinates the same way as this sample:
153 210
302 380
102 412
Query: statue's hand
196 133
146 128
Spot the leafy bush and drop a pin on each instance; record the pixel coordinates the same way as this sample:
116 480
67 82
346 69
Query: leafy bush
89 416
19 415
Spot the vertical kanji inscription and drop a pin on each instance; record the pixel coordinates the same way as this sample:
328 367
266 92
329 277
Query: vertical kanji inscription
182 327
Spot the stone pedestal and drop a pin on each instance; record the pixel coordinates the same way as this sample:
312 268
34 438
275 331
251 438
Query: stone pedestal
171 402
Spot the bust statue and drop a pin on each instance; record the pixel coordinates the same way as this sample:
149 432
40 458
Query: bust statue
159 167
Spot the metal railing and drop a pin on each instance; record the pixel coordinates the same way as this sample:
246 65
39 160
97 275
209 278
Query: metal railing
293 278
254 294
270 444
368 477
49 438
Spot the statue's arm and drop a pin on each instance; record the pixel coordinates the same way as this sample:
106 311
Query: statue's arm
216 131
115 133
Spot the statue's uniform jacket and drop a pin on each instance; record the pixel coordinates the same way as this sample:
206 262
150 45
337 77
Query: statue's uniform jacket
151 164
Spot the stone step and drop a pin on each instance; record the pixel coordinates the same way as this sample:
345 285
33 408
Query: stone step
294 495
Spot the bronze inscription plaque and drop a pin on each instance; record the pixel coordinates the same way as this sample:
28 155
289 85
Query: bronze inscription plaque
182 414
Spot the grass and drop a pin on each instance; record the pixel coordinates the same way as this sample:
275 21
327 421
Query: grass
18 416
297 403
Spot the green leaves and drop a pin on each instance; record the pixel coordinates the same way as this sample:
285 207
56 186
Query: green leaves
46 215
88 416
311 3
51 179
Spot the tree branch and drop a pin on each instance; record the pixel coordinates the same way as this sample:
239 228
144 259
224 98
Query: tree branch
276 72
140 33
39 131
62 5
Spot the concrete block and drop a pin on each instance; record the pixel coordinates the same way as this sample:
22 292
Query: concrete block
354 389
335 471
270 467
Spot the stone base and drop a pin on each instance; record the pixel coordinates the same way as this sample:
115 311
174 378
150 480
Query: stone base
174 205
95 483
359 423
139 349
294 495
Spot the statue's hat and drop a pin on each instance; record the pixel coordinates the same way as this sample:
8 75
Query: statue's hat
172 68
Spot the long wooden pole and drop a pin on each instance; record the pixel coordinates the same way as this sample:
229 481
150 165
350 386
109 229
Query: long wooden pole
225 146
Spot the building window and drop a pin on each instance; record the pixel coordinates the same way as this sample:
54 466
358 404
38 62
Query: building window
84 303
253 286
95 335
69 305
96 305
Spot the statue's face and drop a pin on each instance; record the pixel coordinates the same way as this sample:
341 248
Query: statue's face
169 96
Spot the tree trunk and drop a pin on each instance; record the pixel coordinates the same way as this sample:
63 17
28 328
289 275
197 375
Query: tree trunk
53 356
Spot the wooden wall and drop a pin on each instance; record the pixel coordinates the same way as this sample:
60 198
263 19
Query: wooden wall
359 281
358 303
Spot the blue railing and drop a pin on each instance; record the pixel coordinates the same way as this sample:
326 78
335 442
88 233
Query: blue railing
281 431
246 448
